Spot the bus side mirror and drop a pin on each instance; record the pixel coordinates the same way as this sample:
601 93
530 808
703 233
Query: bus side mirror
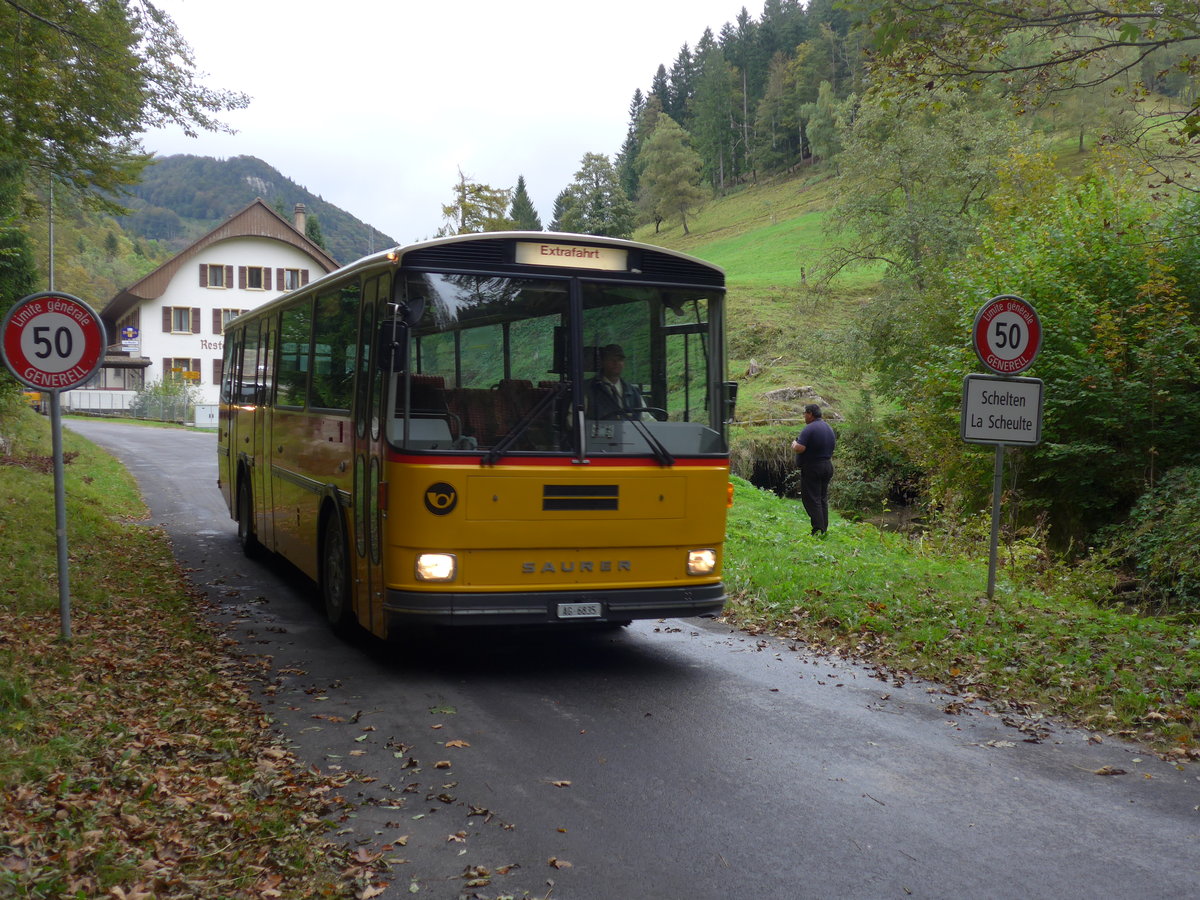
393 333
730 400
392 349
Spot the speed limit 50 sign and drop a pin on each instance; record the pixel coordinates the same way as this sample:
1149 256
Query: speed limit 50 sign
1007 335
53 342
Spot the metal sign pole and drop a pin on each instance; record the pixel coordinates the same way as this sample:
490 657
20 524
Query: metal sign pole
54 342
1007 335
997 486
60 519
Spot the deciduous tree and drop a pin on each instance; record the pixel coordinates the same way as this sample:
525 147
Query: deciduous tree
671 177
1037 50
913 182
594 202
1103 265
82 78
476 207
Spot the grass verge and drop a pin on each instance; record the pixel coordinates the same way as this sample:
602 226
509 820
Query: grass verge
133 761
1043 645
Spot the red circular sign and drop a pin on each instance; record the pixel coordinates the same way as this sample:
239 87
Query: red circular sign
53 342
1007 334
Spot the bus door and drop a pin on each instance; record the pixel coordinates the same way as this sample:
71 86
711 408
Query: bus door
227 422
369 455
264 519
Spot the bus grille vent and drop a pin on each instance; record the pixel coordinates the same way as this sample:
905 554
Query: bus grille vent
579 496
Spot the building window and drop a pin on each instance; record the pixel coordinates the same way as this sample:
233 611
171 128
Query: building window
254 278
215 276
291 279
181 320
181 367
222 317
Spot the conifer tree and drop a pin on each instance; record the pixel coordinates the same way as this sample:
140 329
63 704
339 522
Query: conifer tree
522 212
681 85
312 231
626 162
561 204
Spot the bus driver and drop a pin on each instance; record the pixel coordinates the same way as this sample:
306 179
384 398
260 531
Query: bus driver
609 395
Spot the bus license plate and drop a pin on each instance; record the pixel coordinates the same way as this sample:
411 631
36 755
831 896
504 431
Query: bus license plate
579 610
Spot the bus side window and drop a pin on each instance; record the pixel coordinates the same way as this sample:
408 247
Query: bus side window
247 391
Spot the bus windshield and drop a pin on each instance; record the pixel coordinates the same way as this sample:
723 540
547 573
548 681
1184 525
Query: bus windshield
509 365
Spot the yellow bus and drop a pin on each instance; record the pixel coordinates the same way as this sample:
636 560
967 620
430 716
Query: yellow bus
506 428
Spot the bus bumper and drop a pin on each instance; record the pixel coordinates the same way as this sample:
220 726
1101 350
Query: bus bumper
553 607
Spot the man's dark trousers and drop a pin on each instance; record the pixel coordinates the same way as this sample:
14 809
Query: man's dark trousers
815 476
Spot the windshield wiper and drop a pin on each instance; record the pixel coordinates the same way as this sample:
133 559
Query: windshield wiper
661 453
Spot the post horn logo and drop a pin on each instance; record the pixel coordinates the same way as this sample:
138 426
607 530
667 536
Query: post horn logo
440 498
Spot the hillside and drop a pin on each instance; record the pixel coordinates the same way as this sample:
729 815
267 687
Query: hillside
767 236
182 197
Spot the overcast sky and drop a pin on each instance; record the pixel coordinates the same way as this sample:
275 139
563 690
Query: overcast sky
375 105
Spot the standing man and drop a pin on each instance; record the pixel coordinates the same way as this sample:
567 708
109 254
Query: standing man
814 455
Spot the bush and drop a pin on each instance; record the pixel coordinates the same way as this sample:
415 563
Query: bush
171 400
871 471
1159 540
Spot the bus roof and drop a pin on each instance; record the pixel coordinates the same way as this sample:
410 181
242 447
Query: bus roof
398 254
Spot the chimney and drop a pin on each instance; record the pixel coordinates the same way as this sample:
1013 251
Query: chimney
299 217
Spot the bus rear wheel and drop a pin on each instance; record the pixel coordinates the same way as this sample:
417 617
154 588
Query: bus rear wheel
335 574
245 519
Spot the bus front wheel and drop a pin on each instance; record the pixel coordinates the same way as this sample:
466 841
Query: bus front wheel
245 520
335 574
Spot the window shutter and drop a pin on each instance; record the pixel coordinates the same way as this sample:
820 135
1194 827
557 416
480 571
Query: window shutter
195 320
166 320
218 370
229 276
217 321
266 278
279 278
196 363
203 274
303 277
166 368
241 278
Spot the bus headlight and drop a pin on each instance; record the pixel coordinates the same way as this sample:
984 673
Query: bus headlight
701 562
436 567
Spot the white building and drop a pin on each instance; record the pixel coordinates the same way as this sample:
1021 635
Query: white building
173 319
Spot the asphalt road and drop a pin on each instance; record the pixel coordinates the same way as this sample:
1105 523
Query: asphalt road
674 759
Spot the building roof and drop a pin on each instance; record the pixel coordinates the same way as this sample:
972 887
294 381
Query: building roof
255 220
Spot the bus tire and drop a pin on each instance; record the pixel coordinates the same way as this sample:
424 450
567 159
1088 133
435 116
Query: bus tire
245 519
335 574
